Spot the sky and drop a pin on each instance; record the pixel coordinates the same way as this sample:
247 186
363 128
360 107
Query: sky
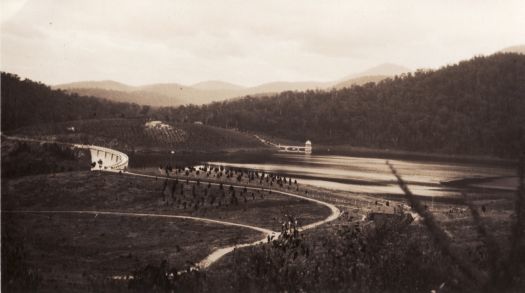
245 42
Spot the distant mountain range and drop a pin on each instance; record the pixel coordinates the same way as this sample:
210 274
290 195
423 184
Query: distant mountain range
174 94
217 85
385 69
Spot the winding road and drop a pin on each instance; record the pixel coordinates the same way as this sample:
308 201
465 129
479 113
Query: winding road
217 254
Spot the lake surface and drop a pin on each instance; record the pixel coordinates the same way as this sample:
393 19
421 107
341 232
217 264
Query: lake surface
372 175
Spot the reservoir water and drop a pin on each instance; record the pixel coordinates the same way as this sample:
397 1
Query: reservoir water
372 175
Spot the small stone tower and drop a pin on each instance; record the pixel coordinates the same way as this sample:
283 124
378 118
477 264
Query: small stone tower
308 147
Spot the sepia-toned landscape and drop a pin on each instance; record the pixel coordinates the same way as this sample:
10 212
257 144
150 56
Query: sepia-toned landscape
237 146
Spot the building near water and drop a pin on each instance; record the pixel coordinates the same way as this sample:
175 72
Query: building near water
307 148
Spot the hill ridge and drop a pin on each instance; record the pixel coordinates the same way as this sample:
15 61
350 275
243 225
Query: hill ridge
174 94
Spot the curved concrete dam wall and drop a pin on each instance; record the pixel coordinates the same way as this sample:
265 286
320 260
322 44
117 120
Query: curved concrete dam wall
107 159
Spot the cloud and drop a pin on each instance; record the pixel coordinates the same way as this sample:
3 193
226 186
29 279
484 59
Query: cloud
246 42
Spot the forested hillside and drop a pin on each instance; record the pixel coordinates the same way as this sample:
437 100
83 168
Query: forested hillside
25 102
135 97
33 109
474 107
133 134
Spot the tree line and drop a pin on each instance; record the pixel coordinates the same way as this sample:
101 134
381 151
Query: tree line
473 107
25 102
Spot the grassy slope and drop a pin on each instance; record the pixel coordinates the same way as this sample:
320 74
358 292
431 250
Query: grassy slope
127 134
113 192
69 250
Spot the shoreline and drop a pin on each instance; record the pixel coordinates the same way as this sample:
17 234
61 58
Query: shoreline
363 152
501 183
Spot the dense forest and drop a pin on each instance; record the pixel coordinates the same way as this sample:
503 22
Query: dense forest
474 107
25 102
